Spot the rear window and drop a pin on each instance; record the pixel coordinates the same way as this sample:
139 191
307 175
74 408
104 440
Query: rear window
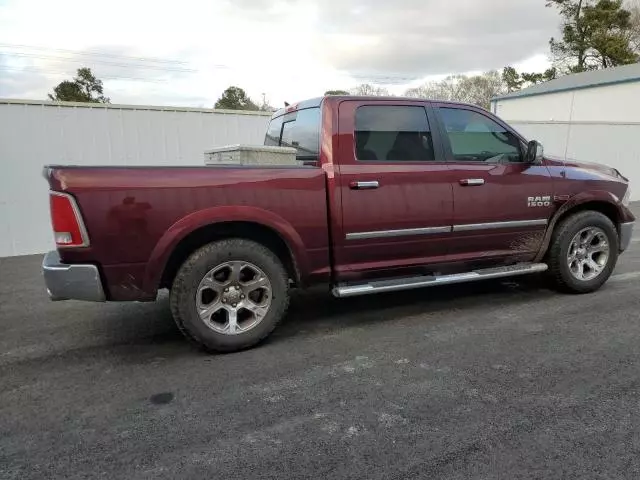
300 130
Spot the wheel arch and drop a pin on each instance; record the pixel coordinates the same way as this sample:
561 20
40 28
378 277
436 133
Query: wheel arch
203 227
602 202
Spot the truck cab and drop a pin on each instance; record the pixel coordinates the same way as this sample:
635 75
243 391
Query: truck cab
440 184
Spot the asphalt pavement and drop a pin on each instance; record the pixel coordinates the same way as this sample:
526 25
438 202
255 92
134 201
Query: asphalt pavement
494 380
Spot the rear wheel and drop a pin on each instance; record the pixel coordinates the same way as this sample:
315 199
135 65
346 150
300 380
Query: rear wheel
583 252
229 295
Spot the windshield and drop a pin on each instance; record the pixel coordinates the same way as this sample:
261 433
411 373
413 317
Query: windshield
300 130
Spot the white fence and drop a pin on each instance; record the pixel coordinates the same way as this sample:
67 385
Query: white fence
33 134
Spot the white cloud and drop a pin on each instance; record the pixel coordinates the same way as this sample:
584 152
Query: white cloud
536 63
288 49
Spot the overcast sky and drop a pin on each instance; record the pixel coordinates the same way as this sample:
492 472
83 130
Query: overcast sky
186 53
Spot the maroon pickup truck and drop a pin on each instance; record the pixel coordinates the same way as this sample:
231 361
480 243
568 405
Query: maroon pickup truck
390 194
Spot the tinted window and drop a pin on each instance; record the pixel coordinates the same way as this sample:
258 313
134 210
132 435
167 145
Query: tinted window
300 130
273 132
393 133
477 138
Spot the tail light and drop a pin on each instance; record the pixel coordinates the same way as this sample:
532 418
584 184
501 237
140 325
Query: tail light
68 227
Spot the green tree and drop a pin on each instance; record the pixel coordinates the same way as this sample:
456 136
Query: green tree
336 92
514 80
85 87
533 78
235 98
595 34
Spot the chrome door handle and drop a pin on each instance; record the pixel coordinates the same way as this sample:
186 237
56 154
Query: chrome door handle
364 185
472 182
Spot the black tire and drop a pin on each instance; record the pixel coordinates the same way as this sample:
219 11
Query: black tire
557 256
194 269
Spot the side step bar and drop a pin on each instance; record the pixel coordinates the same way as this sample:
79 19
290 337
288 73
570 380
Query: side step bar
410 283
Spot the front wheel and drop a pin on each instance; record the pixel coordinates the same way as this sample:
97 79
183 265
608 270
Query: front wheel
229 295
583 252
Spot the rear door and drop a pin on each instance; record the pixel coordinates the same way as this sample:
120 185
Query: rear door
397 199
501 203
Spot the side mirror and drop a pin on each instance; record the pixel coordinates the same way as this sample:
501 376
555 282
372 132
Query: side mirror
535 152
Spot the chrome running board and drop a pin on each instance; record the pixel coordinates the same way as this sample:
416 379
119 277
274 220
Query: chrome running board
409 283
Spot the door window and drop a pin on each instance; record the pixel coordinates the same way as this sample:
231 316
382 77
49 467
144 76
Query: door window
476 138
393 133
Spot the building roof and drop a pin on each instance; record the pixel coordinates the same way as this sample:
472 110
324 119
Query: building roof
577 81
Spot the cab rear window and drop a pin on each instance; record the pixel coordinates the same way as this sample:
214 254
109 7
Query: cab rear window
300 130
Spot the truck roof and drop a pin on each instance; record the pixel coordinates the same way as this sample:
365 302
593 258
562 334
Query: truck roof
316 102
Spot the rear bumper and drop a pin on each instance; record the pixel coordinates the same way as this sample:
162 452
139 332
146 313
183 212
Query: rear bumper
71 282
626 232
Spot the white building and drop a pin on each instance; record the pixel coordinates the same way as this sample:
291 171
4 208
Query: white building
591 116
36 133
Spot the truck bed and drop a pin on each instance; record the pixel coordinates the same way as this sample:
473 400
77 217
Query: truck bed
135 216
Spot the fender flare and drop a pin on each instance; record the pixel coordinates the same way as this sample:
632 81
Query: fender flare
600 196
186 225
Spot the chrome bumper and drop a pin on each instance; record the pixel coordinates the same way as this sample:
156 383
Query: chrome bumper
71 282
626 232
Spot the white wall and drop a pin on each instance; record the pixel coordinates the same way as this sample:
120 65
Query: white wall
554 107
600 124
33 134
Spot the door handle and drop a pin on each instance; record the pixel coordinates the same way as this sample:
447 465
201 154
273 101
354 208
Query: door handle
364 185
472 182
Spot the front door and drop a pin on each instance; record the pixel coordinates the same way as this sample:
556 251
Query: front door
501 204
397 199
